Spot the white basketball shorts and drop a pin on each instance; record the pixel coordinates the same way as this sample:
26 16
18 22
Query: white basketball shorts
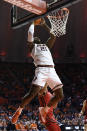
47 75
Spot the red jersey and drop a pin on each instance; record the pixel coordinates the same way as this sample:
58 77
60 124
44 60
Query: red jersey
51 123
44 100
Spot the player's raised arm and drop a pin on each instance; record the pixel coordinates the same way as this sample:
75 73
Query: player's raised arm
52 38
30 38
31 33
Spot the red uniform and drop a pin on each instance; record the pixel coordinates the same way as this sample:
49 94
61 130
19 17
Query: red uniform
51 123
86 113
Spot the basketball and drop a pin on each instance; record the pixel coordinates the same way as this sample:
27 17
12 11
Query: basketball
39 21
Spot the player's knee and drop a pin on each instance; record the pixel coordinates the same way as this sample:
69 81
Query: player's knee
34 90
32 93
59 94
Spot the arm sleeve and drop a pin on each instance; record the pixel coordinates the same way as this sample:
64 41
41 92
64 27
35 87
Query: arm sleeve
31 33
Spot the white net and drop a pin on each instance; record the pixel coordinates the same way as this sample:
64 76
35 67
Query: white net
58 20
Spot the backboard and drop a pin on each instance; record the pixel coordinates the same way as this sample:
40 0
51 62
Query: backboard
20 16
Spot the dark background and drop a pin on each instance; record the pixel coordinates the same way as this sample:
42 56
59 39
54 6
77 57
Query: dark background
71 47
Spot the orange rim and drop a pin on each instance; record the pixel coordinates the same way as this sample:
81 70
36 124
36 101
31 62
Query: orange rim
63 9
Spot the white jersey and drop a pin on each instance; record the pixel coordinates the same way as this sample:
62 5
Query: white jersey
42 55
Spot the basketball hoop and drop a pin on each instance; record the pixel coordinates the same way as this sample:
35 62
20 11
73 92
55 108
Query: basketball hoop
58 20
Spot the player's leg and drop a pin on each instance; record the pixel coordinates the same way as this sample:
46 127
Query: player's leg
54 99
55 82
51 123
30 95
43 91
56 86
37 85
26 100
57 97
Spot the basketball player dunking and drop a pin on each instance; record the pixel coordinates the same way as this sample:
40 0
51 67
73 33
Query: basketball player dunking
84 112
44 73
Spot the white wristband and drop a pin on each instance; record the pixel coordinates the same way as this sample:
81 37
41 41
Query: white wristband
31 33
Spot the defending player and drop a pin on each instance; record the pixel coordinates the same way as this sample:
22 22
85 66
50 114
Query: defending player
84 112
44 72
51 123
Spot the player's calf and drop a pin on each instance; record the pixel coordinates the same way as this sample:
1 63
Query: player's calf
57 97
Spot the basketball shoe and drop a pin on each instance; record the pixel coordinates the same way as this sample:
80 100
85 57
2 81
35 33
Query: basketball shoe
16 115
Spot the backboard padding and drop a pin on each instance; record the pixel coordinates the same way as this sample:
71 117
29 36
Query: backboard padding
20 17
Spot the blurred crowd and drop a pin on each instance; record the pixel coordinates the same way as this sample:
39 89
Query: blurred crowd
15 79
